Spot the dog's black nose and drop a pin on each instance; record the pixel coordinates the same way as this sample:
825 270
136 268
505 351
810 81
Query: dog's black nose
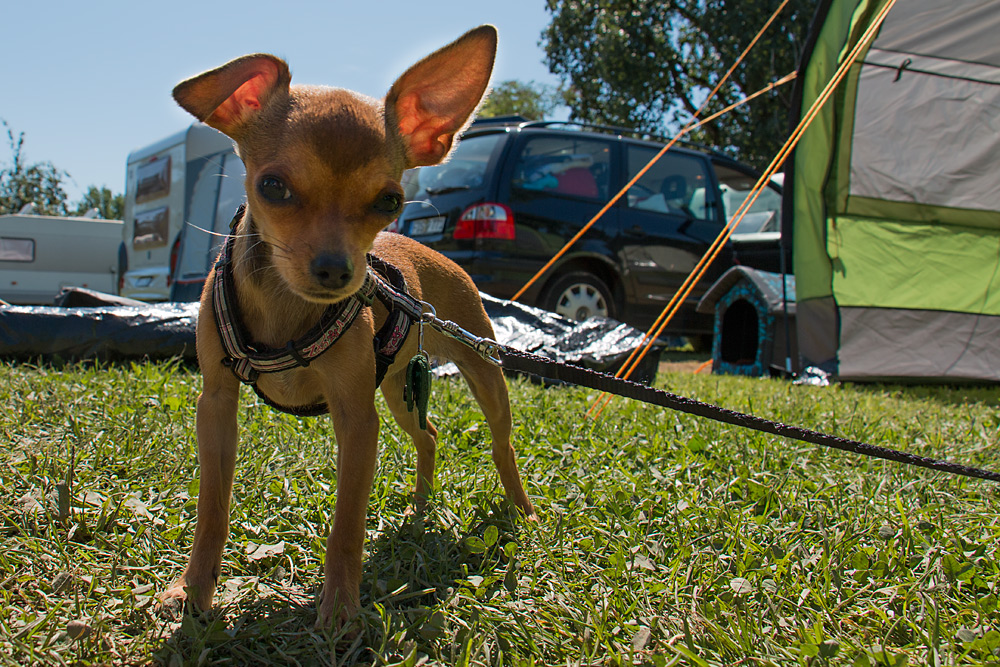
332 271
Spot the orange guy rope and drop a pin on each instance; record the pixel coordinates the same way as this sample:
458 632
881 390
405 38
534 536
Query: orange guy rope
866 38
673 305
642 172
713 250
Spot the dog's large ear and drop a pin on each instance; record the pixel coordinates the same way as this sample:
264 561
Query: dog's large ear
434 100
229 96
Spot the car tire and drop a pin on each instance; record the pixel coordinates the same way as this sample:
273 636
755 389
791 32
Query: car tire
579 295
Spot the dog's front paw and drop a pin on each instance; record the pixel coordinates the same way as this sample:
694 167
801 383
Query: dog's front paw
171 602
335 612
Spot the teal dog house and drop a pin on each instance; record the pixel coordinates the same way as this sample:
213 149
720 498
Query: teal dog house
754 315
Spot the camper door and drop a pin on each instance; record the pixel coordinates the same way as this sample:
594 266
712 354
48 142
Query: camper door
216 193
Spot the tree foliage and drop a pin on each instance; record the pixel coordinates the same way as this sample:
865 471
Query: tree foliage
41 184
531 100
648 64
22 183
109 205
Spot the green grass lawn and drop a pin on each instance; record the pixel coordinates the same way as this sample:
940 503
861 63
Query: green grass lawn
663 539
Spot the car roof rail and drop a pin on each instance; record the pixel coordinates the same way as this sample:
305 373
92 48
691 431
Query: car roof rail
636 134
512 119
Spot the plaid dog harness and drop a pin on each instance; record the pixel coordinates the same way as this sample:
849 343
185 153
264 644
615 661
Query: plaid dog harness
247 360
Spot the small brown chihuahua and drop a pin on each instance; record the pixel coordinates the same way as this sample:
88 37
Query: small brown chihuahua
323 168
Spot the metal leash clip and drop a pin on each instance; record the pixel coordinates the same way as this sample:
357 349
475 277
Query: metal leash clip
486 348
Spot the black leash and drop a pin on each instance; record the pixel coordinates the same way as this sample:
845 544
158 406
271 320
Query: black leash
510 359
515 360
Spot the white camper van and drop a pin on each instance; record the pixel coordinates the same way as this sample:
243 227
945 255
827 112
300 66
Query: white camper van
180 195
41 254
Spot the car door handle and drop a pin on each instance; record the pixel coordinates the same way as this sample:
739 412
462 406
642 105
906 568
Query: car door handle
635 230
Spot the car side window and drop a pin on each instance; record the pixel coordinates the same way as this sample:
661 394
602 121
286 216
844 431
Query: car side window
564 165
764 215
675 184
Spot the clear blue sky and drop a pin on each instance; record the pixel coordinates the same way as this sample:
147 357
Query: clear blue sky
87 82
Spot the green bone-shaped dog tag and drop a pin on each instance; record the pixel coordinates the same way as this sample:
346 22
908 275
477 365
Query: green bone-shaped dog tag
418 387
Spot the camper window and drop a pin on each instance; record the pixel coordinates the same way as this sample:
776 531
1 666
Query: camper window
17 250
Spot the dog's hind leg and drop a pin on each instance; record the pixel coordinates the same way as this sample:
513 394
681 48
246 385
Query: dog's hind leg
490 390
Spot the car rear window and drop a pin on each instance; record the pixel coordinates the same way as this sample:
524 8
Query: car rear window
564 165
465 170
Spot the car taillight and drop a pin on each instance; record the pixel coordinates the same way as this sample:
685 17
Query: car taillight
485 221
174 254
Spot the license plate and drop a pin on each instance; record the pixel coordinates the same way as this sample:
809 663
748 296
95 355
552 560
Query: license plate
144 281
425 226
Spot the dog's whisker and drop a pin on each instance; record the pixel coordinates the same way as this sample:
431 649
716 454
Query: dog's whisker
417 201
275 244
259 269
249 250
282 251
425 202
248 253
214 233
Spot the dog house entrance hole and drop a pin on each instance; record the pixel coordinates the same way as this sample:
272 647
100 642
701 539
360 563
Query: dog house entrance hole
739 342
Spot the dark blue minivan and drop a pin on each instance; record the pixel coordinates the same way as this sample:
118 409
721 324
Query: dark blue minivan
513 193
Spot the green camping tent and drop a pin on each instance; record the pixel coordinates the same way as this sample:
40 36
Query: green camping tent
893 194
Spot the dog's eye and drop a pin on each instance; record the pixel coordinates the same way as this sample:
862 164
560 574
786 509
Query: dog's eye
389 203
272 189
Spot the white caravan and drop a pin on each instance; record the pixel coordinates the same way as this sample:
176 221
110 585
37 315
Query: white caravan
41 254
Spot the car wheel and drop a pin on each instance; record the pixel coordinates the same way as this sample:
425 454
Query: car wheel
579 296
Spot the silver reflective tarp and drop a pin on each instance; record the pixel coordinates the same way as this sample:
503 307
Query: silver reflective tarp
106 327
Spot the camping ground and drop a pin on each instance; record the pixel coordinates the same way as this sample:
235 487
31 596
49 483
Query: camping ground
663 539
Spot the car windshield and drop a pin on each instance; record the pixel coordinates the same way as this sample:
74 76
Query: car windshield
465 170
